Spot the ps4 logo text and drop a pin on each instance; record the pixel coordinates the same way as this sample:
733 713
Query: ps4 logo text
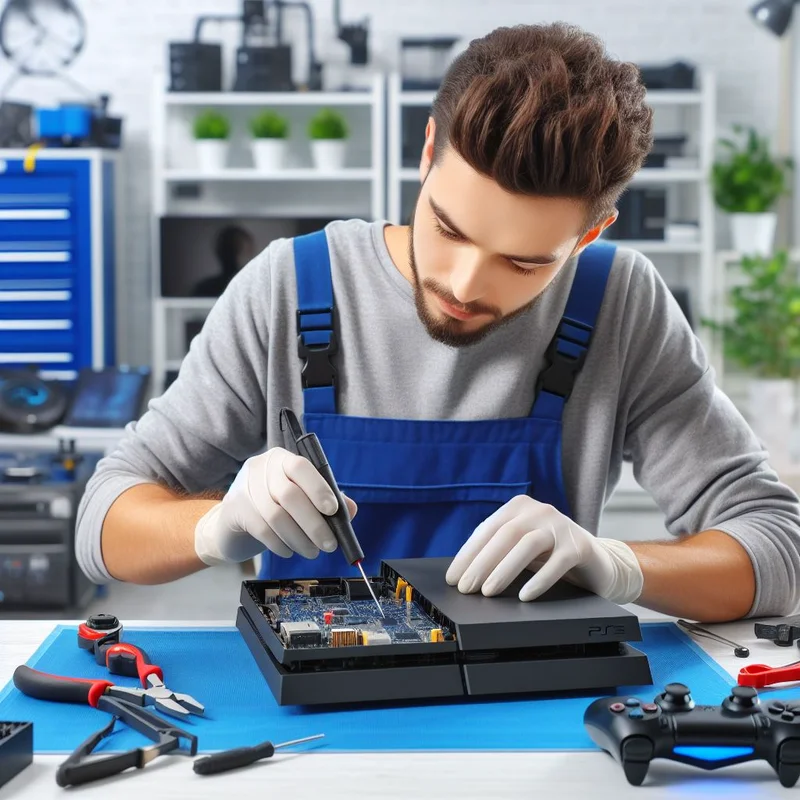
607 630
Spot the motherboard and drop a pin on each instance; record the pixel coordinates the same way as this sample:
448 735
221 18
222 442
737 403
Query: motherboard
313 614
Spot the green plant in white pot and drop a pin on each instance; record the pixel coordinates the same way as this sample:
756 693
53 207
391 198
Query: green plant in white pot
762 336
328 133
270 132
211 131
748 182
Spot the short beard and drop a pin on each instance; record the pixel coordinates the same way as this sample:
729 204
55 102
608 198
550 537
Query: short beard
449 331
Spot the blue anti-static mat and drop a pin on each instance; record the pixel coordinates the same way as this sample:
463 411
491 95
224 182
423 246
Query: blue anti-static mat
215 666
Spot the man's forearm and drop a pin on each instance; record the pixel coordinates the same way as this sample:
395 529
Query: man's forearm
148 535
707 577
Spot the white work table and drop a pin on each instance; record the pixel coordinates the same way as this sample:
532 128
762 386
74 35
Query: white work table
462 775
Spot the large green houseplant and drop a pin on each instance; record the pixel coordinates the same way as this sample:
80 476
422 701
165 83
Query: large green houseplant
762 336
748 181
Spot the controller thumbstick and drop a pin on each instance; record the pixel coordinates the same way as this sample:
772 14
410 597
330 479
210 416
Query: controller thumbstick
742 699
676 697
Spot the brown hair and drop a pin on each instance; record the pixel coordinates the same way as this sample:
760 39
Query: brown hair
543 110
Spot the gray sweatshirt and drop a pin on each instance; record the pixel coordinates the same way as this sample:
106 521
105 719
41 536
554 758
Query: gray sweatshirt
646 394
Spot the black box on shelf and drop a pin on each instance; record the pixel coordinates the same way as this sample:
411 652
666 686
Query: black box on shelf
195 67
642 215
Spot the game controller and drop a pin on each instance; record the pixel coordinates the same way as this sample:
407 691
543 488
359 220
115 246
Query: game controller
674 727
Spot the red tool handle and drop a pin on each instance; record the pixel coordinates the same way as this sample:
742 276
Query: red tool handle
127 659
45 686
760 675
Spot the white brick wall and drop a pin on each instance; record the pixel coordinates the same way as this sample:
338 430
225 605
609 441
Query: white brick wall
127 43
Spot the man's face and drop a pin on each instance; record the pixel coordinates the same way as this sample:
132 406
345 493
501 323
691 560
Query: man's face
481 256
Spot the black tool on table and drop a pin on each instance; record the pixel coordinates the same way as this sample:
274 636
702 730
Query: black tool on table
297 441
123 704
101 634
242 756
784 634
739 650
16 748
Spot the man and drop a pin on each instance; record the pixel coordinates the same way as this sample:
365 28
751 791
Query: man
422 358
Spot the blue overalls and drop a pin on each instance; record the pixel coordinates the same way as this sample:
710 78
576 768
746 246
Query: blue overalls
422 486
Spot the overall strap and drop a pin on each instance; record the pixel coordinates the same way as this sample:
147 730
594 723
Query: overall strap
567 351
316 333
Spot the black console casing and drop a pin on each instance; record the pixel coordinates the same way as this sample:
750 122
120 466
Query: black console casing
16 748
741 728
567 640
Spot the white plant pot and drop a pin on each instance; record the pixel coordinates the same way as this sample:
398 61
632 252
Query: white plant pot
754 234
772 407
212 154
328 154
269 155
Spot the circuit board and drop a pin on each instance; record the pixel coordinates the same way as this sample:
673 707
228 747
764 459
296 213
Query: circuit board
337 620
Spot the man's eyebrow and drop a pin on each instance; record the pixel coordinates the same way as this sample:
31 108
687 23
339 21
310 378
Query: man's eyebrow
446 219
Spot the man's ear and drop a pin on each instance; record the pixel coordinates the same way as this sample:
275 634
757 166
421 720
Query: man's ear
594 233
427 150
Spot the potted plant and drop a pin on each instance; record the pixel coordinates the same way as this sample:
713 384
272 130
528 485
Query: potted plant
762 335
211 131
748 182
270 132
328 132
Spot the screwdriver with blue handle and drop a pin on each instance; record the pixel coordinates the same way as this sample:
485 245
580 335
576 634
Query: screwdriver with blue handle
296 440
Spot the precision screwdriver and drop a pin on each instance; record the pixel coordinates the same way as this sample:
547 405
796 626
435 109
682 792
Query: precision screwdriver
297 441
242 756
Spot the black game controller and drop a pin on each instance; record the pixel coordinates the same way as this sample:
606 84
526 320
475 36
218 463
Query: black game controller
709 737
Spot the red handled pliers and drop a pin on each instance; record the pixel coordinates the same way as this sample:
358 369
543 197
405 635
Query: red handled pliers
123 658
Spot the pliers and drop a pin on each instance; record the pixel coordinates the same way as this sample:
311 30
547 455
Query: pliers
116 700
45 686
122 658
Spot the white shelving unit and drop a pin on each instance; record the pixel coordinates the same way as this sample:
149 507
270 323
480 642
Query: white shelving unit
693 112
299 191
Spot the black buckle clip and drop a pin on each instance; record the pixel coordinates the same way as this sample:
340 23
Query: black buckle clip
558 377
318 369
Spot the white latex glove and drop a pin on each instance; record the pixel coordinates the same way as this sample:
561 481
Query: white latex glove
525 533
277 502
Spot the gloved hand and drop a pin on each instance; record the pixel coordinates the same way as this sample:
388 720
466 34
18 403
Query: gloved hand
277 502
525 533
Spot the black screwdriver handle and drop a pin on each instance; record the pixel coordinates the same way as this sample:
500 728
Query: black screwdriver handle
308 446
44 686
232 759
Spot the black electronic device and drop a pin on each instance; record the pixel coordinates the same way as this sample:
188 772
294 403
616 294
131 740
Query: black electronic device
315 642
642 215
110 397
16 124
674 727
39 497
29 404
264 69
783 634
195 67
679 75
16 748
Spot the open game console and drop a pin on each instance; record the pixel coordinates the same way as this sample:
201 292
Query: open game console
323 640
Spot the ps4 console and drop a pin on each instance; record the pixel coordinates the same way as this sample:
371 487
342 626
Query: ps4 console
321 641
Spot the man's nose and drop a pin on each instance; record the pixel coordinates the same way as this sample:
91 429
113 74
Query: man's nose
468 278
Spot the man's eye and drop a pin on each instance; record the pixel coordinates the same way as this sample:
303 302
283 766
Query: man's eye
446 233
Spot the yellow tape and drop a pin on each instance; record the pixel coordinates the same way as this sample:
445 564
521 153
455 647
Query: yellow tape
29 164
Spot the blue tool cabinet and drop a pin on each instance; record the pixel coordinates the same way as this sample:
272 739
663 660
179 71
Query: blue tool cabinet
57 260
